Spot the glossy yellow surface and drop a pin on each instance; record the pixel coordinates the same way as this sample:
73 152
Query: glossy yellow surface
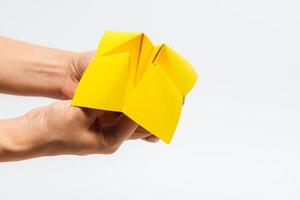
145 82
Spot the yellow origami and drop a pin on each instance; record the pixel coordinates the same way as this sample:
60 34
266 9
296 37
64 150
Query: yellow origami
147 83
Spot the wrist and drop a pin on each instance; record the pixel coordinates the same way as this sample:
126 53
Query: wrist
23 138
14 141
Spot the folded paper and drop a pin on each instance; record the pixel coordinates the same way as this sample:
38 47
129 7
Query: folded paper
147 83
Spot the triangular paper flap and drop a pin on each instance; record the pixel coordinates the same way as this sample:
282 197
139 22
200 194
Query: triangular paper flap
114 39
159 57
179 69
146 49
132 47
155 54
155 104
103 84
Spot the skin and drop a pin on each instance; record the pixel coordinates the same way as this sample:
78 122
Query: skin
57 129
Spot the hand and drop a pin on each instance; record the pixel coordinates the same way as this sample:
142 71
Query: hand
108 118
63 129
75 69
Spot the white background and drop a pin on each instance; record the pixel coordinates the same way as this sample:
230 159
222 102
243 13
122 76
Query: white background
239 133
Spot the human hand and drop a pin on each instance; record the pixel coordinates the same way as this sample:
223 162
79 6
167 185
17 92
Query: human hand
74 71
63 129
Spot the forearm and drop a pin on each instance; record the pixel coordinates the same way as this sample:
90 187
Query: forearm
27 69
19 140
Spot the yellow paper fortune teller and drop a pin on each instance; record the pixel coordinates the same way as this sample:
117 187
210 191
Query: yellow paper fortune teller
147 83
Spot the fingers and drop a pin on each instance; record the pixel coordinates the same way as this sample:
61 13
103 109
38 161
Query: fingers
120 127
122 130
86 58
141 129
151 138
143 134
109 118
86 115
139 135
90 115
90 54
